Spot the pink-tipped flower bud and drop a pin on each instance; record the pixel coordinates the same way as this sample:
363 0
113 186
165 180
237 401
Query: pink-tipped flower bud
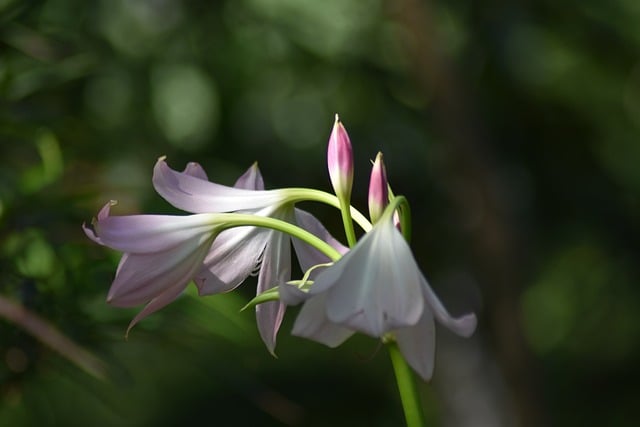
340 161
378 189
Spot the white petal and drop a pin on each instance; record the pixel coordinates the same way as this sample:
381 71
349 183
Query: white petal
308 256
142 277
312 323
193 194
164 298
152 233
463 325
194 169
376 286
251 179
234 255
291 294
417 344
275 269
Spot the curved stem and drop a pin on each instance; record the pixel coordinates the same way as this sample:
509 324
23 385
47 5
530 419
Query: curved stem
407 388
400 204
312 195
231 220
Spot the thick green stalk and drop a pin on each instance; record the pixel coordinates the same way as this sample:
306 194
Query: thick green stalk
407 388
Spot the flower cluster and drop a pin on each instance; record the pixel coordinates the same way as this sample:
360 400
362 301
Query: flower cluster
373 285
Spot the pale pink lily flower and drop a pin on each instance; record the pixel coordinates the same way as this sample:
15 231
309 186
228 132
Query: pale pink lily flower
161 255
236 253
377 289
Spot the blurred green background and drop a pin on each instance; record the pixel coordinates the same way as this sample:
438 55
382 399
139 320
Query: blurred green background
512 127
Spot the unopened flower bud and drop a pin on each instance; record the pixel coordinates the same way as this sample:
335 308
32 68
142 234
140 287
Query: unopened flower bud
378 189
340 161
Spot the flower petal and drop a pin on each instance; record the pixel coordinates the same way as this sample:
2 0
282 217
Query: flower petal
194 169
463 325
152 233
312 323
275 269
251 179
163 299
142 277
194 194
234 255
375 287
291 294
102 214
308 256
417 344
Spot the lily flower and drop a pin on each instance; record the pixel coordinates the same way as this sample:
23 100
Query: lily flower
161 255
238 252
377 288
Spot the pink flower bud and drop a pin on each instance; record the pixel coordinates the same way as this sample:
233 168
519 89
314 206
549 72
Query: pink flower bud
378 189
340 161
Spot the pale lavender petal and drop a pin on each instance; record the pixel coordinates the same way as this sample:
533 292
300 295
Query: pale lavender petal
194 169
463 325
102 214
163 299
193 194
251 179
312 323
376 286
142 277
291 294
417 344
308 256
275 269
153 233
234 255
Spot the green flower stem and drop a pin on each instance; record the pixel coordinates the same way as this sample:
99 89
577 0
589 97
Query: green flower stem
309 194
347 222
400 204
407 388
231 220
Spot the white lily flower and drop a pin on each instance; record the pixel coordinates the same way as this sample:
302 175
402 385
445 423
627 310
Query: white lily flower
377 289
161 255
237 252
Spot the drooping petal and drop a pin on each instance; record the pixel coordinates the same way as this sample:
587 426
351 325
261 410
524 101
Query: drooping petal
308 256
164 298
376 286
149 233
142 277
463 325
251 179
417 344
234 255
194 194
275 269
312 323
